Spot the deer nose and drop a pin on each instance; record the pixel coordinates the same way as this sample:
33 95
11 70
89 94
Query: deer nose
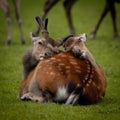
47 54
78 53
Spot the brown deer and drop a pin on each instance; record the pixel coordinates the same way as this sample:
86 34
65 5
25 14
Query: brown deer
6 9
70 77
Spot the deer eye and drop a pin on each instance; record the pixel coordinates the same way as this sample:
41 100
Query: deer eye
79 40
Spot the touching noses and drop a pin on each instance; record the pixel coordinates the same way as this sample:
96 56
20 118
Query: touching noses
78 53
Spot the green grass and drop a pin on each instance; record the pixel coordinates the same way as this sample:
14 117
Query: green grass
105 50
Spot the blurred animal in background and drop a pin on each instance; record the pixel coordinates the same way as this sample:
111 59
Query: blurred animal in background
6 9
109 7
67 5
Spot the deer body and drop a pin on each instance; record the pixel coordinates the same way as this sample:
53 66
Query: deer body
66 78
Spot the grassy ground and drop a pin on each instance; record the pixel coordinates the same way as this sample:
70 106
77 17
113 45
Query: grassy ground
105 50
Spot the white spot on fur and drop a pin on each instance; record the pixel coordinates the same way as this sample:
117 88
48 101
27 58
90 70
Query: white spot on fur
78 71
87 85
51 73
47 61
98 87
86 77
50 63
61 93
39 67
77 67
64 56
73 63
61 64
92 71
59 60
90 81
53 58
94 83
67 71
88 71
67 67
41 58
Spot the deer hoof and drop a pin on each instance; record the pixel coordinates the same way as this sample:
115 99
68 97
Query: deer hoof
92 36
8 41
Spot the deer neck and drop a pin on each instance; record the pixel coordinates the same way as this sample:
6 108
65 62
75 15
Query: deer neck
91 59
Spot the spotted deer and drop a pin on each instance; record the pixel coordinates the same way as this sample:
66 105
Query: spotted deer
70 77
4 5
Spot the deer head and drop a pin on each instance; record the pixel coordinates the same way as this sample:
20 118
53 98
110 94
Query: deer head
42 49
76 45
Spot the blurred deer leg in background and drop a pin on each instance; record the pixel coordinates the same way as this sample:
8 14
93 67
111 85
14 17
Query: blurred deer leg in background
47 7
113 16
6 10
17 12
68 5
109 6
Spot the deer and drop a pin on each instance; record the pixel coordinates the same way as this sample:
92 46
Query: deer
49 4
4 5
42 48
37 52
69 77
109 7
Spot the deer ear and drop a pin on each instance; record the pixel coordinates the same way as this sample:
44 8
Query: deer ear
83 37
34 39
66 38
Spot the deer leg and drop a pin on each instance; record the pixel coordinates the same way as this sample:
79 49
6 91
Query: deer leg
47 7
33 97
17 12
104 13
113 16
74 96
68 5
6 9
